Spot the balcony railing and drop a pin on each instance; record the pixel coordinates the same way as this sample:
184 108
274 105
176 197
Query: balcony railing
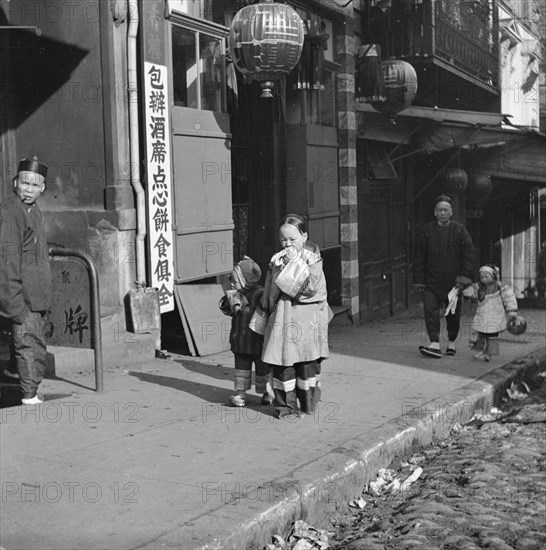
461 33
463 36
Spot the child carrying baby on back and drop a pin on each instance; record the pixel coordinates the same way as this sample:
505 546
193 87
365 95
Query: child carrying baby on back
239 303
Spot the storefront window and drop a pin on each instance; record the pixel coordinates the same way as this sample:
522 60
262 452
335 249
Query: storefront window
198 61
201 9
211 72
184 68
311 84
321 106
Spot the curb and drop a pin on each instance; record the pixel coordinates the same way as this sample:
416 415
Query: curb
326 485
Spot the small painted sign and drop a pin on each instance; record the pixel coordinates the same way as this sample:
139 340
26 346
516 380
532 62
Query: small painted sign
69 318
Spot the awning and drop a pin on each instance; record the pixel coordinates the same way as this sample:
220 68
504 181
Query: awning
504 151
521 159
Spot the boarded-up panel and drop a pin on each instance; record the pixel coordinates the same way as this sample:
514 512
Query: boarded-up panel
331 231
322 171
313 181
202 192
204 254
208 326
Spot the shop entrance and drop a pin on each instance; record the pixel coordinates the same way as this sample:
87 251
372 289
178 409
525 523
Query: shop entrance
383 223
202 205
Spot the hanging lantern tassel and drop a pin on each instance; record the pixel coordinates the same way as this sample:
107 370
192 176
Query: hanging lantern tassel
369 80
400 86
266 41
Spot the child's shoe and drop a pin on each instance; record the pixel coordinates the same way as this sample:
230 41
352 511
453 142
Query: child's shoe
290 416
482 356
237 401
267 399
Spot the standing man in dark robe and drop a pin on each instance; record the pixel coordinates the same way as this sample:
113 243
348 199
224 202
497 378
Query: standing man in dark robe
444 259
25 275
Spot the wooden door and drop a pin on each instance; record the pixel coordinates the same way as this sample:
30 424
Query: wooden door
383 250
375 263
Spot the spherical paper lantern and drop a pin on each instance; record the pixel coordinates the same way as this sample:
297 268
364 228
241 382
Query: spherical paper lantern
479 188
454 180
266 41
400 83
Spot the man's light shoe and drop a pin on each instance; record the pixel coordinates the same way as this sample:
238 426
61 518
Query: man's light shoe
428 351
32 401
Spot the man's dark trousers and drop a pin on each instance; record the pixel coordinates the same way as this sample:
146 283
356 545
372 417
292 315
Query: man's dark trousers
30 352
431 308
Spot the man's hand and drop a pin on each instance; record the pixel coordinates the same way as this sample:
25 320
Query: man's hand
512 314
468 292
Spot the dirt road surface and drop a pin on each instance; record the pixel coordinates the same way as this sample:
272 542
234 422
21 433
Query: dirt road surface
484 487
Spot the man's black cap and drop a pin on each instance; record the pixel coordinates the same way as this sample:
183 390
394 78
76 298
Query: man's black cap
33 165
443 198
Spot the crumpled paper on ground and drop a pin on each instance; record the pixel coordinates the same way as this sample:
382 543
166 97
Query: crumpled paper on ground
387 481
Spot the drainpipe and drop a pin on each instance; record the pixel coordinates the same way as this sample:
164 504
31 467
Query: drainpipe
132 92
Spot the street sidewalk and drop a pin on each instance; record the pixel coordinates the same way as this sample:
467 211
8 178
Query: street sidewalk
159 461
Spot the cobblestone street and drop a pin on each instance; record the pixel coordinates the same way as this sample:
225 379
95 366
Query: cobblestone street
484 487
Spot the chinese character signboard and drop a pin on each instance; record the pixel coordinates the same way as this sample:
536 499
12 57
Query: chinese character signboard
69 319
159 188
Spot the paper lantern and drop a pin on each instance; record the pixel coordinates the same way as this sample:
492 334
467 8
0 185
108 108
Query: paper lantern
400 86
479 188
266 41
454 180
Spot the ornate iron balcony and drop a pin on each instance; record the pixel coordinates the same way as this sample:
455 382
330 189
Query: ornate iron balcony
461 35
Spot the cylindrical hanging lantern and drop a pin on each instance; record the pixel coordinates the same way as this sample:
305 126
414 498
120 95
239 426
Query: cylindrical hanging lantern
400 85
479 188
266 41
454 180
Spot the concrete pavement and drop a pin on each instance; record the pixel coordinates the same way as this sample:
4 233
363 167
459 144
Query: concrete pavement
159 461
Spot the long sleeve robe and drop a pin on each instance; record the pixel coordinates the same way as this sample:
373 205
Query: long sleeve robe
443 254
297 329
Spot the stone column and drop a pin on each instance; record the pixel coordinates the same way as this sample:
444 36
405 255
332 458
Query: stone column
348 200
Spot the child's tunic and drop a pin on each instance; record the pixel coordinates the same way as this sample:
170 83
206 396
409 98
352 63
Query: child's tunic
490 314
297 329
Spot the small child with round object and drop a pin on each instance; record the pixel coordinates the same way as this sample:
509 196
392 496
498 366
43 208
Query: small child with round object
495 301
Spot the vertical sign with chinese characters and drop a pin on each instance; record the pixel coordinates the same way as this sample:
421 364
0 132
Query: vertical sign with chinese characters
159 187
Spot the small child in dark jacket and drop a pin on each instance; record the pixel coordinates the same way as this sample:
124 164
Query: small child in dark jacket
240 302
